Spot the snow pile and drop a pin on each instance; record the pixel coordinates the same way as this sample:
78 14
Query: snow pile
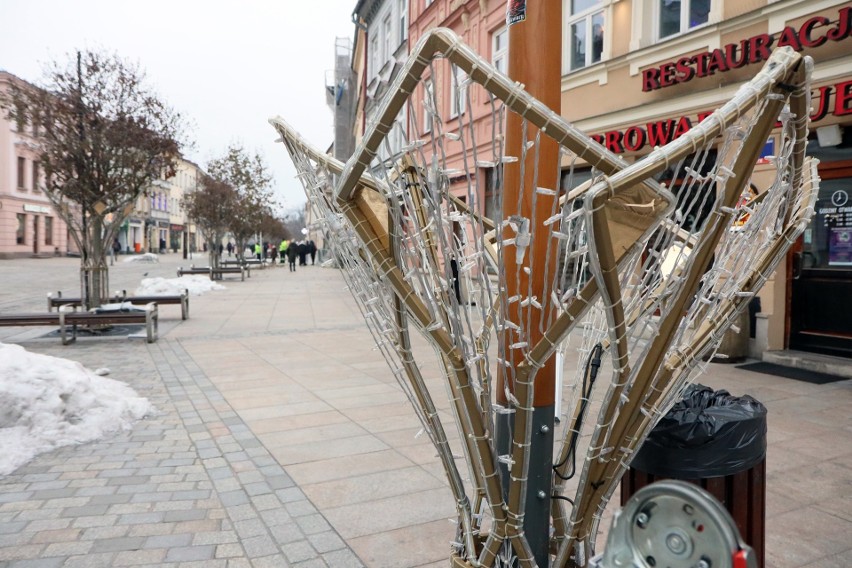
47 402
147 257
195 283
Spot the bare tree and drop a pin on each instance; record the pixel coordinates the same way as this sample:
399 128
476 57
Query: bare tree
249 176
211 207
103 138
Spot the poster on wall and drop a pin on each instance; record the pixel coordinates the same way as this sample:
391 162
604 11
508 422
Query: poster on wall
516 11
840 246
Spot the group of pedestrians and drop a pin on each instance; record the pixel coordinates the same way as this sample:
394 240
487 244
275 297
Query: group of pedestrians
288 250
291 250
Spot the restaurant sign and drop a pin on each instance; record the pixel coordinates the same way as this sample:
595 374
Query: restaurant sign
814 32
661 132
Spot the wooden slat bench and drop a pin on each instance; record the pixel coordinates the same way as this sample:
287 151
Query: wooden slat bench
241 263
58 300
182 300
193 270
66 317
217 273
147 316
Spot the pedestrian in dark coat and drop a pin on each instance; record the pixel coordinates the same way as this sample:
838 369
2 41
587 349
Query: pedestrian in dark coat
303 252
291 256
312 250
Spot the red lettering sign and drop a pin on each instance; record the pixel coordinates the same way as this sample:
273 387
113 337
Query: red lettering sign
814 32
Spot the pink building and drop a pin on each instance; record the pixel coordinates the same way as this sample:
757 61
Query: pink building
482 25
29 226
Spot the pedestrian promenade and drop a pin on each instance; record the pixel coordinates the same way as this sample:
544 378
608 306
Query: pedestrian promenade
281 439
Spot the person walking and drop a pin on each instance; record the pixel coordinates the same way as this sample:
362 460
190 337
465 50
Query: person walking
282 250
312 250
116 248
291 256
230 248
303 252
258 251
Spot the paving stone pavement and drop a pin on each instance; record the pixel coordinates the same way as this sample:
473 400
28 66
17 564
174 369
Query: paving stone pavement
282 439
190 486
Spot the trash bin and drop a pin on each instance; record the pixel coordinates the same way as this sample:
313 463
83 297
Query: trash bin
734 345
717 441
137 247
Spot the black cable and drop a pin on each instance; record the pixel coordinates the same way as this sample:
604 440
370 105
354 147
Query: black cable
563 497
593 363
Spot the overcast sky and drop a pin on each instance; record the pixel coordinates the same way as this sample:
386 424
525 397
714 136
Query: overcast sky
228 66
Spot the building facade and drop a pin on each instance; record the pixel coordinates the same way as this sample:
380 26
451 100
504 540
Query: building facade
29 225
648 70
639 73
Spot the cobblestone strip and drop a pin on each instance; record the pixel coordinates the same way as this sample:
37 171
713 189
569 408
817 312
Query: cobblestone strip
276 523
188 487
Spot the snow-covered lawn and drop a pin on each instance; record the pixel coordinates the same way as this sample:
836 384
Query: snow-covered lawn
47 402
196 284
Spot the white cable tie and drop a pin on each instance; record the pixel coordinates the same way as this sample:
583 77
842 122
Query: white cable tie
553 219
419 433
545 191
508 159
513 299
506 458
452 136
519 345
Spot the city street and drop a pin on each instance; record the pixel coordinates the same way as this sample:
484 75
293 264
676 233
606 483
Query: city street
282 439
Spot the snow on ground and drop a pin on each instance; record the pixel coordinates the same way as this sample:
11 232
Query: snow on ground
195 283
47 402
147 257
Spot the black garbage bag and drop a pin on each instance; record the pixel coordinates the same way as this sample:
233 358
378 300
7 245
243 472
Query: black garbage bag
706 434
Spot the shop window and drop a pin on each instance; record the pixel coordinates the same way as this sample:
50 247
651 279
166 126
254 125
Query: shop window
500 50
48 230
20 234
22 167
584 26
679 16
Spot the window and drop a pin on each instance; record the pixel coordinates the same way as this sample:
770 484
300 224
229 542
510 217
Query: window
458 94
48 230
35 176
428 104
500 50
585 29
403 21
22 166
374 56
387 37
21 232
678 16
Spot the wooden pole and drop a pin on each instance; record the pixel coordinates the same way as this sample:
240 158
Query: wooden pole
535 60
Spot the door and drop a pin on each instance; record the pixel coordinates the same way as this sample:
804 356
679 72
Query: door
821 284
